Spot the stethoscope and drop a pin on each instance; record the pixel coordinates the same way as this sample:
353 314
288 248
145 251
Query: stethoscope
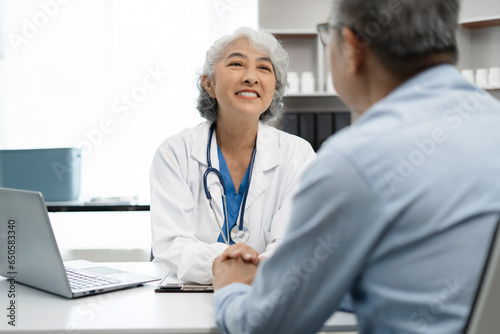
239 233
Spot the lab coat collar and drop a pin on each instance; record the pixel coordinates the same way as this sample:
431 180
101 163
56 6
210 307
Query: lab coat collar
200 142
268 156
268 153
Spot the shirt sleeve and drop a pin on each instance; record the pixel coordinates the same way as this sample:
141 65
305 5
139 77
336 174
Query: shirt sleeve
297 162
335 223
173 231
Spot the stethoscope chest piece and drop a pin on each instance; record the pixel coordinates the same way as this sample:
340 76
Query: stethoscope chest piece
240 236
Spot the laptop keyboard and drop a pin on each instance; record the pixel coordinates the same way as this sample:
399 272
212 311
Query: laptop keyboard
81 280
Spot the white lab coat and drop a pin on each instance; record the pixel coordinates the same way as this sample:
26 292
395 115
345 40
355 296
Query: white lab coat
184 229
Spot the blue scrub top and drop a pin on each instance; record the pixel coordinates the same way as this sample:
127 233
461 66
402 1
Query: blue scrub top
233 199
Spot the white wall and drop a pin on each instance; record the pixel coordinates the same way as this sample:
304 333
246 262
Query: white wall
475 9
485 48
80 73
114 77
293 14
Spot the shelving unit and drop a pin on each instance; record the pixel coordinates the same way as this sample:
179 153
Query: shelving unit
481 22
316 94
479 34
477 14
306 53
294 21
312 116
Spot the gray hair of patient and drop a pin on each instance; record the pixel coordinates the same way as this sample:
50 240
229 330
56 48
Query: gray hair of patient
262 42
402 33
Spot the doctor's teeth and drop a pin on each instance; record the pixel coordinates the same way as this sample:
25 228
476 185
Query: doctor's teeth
249 94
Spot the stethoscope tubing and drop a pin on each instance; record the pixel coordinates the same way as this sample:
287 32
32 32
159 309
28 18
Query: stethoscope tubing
211 169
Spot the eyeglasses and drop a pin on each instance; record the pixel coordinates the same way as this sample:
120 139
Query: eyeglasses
325 31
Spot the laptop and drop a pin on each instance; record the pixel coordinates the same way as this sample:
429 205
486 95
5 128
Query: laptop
30 254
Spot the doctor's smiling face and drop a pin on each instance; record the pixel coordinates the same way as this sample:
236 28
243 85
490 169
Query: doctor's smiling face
244 82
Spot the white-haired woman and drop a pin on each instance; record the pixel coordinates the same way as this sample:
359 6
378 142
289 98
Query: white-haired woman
241 88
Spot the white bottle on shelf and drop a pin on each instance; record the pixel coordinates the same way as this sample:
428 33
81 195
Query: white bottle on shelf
468 74
307 82
494 78
482 78
294 83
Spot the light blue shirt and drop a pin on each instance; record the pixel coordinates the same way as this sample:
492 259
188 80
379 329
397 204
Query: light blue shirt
398 209
233 197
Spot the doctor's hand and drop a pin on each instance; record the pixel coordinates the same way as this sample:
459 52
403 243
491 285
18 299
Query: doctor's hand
233 270
235 251
244 251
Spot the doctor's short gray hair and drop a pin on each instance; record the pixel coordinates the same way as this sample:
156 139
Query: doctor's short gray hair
263 42
402 34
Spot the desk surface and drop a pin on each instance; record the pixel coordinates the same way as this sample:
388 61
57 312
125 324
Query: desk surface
136 310
76 206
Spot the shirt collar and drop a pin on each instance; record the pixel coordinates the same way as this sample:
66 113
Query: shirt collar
432 79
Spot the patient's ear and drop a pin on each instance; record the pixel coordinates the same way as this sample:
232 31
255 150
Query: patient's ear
207 84
354 51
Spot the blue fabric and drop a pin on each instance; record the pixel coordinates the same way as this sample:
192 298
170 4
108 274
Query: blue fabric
233 198
398 209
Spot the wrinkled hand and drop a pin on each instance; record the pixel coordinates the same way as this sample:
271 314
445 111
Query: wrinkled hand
244 251
233 270
238 263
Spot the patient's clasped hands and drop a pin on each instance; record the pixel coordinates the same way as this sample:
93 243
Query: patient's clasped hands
237 264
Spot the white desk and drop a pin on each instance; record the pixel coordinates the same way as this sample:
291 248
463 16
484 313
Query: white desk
136 310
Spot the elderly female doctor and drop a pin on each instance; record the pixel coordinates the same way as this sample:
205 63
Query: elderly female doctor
234 151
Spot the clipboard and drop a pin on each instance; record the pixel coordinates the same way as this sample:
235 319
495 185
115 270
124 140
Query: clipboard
171 283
